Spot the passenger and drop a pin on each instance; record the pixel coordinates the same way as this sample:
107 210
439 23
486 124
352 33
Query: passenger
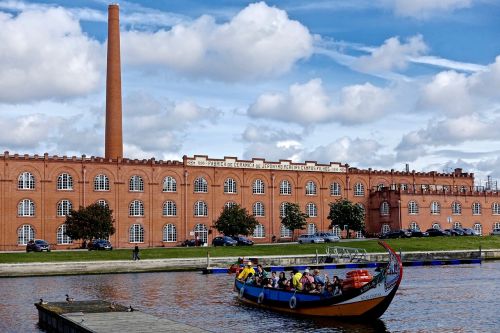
261 276
283 282
336 285
318 279
306 280
250 279
274 280
313 288
296 276
247 270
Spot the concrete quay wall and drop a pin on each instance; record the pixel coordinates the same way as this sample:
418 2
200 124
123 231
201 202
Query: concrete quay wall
185 264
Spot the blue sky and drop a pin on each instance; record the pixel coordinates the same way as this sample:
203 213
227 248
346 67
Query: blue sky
372 84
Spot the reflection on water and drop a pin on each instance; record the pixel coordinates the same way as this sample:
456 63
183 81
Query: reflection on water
439 299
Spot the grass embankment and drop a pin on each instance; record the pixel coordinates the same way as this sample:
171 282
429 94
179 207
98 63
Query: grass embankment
405 245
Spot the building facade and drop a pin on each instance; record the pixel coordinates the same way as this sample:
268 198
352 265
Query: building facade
162 203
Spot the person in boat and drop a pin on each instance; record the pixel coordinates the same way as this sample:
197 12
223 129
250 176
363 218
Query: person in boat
261 276
295 280
247 270
318 279
273 280
336 285
306 280
283 283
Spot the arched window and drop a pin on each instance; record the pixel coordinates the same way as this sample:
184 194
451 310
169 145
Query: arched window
102 202
384 208
26 181
478 228
336 230
169 208
101 183
200 185
229 204
311 228
64 182
457 225
64 207
403 187
283 208
201 231
495 208
136 208
311 210
412 208
258 209
436 225
359 190
200 208
496 225
259 232
285 187
258 187
476 208
435 208
169 184
230 186
136 184
26 207
285 232
456 208
311 188
385 228
62 238
414 226
25 233
335 189
136 234
169 233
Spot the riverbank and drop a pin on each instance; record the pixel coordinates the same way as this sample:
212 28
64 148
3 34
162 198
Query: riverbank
197 264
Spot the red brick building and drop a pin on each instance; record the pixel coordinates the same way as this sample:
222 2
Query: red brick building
162 203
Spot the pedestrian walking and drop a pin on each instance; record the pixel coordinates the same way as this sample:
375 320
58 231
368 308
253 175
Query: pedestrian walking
135 253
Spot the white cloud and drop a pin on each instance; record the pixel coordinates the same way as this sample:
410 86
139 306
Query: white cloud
309 103
458 93
421 9
45 55
392 55
260 41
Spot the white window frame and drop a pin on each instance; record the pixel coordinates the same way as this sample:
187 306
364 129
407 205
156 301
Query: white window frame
258 187
64 207
335 189
311 228
136 208
25 233
476 208
64 182
311 188
384 208
169 184
258 209
285 232
230 186
283 208
136 233
285 187
169 208
259 231
359 190
456 208
26 181
435 208
101 182
170 233
414 226
61 236
413 208
312 209
478 228
200 185
495 208
200 208
201 230
26 208
136 184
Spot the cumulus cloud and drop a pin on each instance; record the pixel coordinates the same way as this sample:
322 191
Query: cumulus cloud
271 143
260 41
44 54
426 8
309 103
392 55
153 127
457 93
357 152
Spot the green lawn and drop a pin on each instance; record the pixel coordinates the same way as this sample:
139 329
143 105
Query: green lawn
405 245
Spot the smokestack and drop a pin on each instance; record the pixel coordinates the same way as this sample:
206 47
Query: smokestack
114 140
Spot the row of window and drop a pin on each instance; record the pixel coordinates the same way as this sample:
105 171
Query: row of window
435 208
26 181
414 226
26 208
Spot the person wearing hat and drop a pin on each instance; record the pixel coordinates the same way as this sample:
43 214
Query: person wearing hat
247 270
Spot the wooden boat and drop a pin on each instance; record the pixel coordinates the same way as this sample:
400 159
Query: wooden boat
369 301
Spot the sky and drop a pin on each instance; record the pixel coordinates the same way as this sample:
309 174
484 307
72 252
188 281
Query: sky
369 83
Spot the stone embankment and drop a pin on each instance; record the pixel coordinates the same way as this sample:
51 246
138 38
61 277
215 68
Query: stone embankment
193 264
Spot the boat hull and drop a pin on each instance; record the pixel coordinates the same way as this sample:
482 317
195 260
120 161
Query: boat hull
369 301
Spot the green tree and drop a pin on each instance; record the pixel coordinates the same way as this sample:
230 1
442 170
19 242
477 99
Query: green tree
293 218
91 222
345 213
234 221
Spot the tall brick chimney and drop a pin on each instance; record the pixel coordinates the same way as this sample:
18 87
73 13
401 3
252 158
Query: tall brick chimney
114 140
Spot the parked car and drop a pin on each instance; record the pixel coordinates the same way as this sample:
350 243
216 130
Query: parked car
310 239
418 233
327 236
436 232
470 232
189 242
396 234
37 245
495 232
224 241
100 244
242 240
455 232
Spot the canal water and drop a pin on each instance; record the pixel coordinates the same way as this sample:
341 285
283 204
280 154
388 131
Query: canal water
461 298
